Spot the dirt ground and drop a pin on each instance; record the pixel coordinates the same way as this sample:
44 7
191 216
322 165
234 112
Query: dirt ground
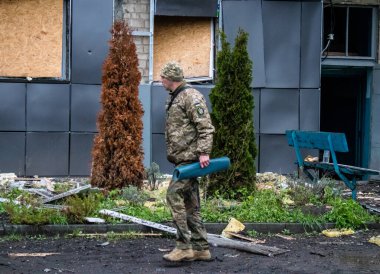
307 254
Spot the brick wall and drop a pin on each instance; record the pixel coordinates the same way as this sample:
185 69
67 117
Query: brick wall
136 13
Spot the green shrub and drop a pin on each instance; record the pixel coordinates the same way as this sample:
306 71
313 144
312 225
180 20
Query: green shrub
134 196
80 207
348 214
21 214
232 107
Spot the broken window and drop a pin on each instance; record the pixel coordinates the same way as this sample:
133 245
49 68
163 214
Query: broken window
187 40
349 31
184 32
33 39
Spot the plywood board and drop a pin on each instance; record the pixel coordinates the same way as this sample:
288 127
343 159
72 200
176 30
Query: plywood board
186 40
31 38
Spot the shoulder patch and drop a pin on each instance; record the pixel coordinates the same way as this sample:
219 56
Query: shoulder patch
200 109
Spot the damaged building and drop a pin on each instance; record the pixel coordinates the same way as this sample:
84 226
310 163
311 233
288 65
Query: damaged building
315 67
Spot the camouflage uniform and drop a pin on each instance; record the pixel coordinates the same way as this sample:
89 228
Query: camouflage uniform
188 134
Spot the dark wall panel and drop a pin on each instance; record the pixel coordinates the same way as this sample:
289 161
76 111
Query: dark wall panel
159 153
48 107
85 106
159 96
309 109
12 106
276 155
311 37
47 154
12 156
248 16
145 98
196 8
279 110
282 26
91 23
80 153
256 111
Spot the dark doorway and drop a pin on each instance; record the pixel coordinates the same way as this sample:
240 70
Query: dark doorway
342 110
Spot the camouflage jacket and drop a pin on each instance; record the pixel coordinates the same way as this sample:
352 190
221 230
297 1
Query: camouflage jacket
189 131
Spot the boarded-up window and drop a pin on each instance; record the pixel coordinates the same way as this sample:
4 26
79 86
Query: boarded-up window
31 38
186 40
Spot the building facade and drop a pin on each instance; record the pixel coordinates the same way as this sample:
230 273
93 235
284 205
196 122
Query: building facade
315 67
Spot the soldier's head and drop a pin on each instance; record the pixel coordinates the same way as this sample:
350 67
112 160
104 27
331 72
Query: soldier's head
171 75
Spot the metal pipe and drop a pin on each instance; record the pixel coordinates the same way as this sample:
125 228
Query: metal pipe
151 29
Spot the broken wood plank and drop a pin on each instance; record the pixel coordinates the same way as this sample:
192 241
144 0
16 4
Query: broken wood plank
42 192
284 237
67 193
94 220
213 239
57 207
237 235
27 179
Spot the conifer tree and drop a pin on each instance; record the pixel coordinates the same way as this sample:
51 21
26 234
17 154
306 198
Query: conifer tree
117 152
232 115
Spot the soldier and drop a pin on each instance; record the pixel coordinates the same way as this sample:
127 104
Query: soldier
188 134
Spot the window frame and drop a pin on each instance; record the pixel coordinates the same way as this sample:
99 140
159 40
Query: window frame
66 53
347 59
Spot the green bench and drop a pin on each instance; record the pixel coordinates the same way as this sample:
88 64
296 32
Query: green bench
326 141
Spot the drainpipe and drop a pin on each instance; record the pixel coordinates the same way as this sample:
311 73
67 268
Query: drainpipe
151 29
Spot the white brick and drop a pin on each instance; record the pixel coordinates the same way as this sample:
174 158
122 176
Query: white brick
143 56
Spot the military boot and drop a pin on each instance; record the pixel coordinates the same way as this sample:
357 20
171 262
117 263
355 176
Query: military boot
201 255
177 255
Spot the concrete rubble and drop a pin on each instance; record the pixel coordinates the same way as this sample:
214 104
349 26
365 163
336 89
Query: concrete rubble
43 189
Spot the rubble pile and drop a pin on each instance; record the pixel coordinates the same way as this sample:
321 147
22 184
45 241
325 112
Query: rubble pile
44 189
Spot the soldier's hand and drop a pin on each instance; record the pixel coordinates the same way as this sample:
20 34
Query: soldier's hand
204 160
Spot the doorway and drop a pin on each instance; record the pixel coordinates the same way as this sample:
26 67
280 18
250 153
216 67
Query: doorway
343 110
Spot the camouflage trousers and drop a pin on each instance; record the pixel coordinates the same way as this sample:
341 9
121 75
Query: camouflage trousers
183 200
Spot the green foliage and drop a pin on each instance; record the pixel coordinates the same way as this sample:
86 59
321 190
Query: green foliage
134 196
30 215
62 187
348 214
13 193
80 207
11 238
2 209
232 115
117 151
160 214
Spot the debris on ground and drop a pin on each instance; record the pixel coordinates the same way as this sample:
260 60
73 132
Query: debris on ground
43 190
337 232
285 237
375 240
213 239
233 226
95 220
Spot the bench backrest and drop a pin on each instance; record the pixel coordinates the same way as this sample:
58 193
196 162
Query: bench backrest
318 140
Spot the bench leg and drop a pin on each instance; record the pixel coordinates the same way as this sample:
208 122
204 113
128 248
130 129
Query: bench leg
353 194
351 185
